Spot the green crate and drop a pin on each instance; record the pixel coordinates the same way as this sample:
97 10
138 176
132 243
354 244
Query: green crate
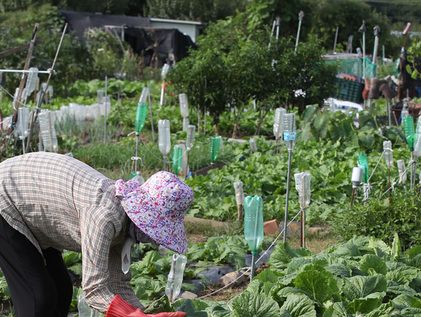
349 90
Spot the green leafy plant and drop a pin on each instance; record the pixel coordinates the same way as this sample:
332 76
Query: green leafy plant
332 283
381 218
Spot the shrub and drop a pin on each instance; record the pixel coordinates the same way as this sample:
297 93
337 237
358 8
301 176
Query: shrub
381 218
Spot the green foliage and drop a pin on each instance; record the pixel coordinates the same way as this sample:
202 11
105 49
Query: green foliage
233 65
206 10
223 249
16 29
310 285
414 59
381 218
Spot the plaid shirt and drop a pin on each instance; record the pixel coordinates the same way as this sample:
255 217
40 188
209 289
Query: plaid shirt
57 201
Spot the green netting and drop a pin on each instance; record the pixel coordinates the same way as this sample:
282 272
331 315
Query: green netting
354 66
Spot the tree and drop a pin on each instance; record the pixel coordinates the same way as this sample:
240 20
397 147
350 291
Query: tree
204 10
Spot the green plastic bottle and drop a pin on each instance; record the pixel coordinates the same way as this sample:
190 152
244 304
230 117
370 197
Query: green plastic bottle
253 222
177 159
408 126
141 112
215 147
363 164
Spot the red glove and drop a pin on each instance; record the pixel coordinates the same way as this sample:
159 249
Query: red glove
120 308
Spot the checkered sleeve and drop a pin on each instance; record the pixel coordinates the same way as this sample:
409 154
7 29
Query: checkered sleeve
120 282
97 232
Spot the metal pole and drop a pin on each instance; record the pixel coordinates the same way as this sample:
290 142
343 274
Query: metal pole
23 71
364 54
362 30
300 19
336 39
253 265
287 191
389 111
161 100
151 116
105 109
376 43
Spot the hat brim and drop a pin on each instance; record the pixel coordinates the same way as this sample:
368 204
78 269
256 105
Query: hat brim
168 232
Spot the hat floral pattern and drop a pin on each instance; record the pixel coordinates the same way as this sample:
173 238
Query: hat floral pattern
157 208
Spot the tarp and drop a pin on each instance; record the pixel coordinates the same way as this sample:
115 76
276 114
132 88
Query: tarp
79 22
155 45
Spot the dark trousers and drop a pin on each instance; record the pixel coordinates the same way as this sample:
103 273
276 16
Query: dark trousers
37 288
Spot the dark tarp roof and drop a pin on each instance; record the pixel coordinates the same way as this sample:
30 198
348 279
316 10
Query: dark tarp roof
154 44
80 21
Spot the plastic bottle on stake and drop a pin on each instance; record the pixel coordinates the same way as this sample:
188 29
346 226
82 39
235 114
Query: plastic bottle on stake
31 81
289 129
215 147
402 171
191 130
239 192
184 105
179 160
141 112
253 222
175 277
278 122
100 94
48 131
363 164
164 137
302 185
22 122
357 175
409 131
186 123
388 153
253 145
417 143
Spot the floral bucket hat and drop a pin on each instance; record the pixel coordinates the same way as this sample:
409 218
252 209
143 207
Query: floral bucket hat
157 208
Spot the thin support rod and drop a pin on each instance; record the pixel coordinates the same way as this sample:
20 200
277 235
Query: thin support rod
303 226
239 212
287 195
151 117
389 111
364 55
24 71
105 109
43 91
336 39
413 170
253 265
136 153
26 67
354 191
